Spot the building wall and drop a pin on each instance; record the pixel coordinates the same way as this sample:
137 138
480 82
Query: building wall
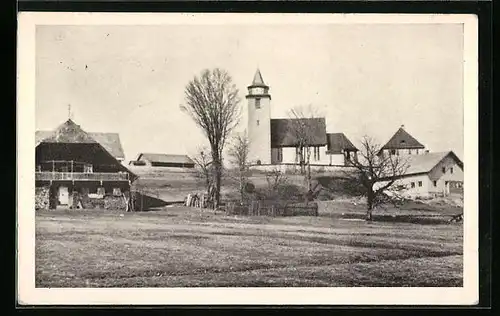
259 130
404 152
336 160
440 181
421 190
289 156
45 191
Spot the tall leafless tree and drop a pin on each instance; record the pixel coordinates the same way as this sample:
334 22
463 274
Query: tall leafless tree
376 176
212 102
304 137
238 153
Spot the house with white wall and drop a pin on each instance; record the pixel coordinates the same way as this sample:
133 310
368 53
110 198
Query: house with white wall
275 141
430 174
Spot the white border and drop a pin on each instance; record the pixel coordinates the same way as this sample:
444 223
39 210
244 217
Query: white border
29 295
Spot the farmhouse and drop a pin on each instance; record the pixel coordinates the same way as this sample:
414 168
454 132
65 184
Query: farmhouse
431 174
79 169
276 141
163 160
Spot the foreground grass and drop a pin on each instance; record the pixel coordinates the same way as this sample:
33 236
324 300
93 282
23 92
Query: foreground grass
181 247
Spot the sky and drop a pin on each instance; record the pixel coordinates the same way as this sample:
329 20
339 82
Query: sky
364 79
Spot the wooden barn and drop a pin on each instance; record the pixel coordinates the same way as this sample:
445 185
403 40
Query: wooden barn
75 169
163 160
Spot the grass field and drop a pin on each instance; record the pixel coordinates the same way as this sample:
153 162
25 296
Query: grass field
182 247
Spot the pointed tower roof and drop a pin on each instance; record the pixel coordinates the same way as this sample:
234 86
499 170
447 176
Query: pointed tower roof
257 80
403 140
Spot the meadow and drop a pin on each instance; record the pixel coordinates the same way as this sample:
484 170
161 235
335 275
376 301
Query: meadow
176 246
186 247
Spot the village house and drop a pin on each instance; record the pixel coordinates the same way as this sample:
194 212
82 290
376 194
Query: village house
427 173
401 144
163 160
275 141
430 174
77 169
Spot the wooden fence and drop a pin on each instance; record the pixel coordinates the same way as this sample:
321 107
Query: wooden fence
262 208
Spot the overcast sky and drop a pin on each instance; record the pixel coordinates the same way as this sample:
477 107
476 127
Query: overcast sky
365 79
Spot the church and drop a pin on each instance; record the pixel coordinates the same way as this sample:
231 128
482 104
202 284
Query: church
275 141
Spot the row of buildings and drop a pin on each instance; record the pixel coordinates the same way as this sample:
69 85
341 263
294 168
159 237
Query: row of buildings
273 141
84 169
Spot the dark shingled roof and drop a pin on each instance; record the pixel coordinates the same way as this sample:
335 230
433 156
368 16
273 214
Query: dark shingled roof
338 142
72 133
283 133
165 158
402 140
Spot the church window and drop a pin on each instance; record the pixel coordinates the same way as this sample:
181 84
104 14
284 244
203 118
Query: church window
257 103
258 122
444 169
280 154
297 154
451 170
316 153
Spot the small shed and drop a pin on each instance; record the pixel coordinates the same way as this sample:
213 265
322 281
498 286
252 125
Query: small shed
163 160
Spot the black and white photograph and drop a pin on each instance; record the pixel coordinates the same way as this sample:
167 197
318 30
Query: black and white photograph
242 158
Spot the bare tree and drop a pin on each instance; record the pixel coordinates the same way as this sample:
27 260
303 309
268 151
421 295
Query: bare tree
304 137
238 153
212 102
203 163
376 176
276 179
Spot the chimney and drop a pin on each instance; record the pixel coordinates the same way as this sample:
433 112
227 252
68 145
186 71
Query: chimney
403 126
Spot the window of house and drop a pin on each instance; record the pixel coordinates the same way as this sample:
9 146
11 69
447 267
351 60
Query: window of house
280 154
258 123
417 151
101 191
393 151
257 103
38 168
409 151
117 191
64 169
451 170
444 169
412 185
87 168
434 183
419 183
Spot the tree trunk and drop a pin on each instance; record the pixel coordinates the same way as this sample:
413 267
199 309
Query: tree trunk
369 207
218 172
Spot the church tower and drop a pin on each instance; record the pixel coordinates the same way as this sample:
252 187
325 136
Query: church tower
259 121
